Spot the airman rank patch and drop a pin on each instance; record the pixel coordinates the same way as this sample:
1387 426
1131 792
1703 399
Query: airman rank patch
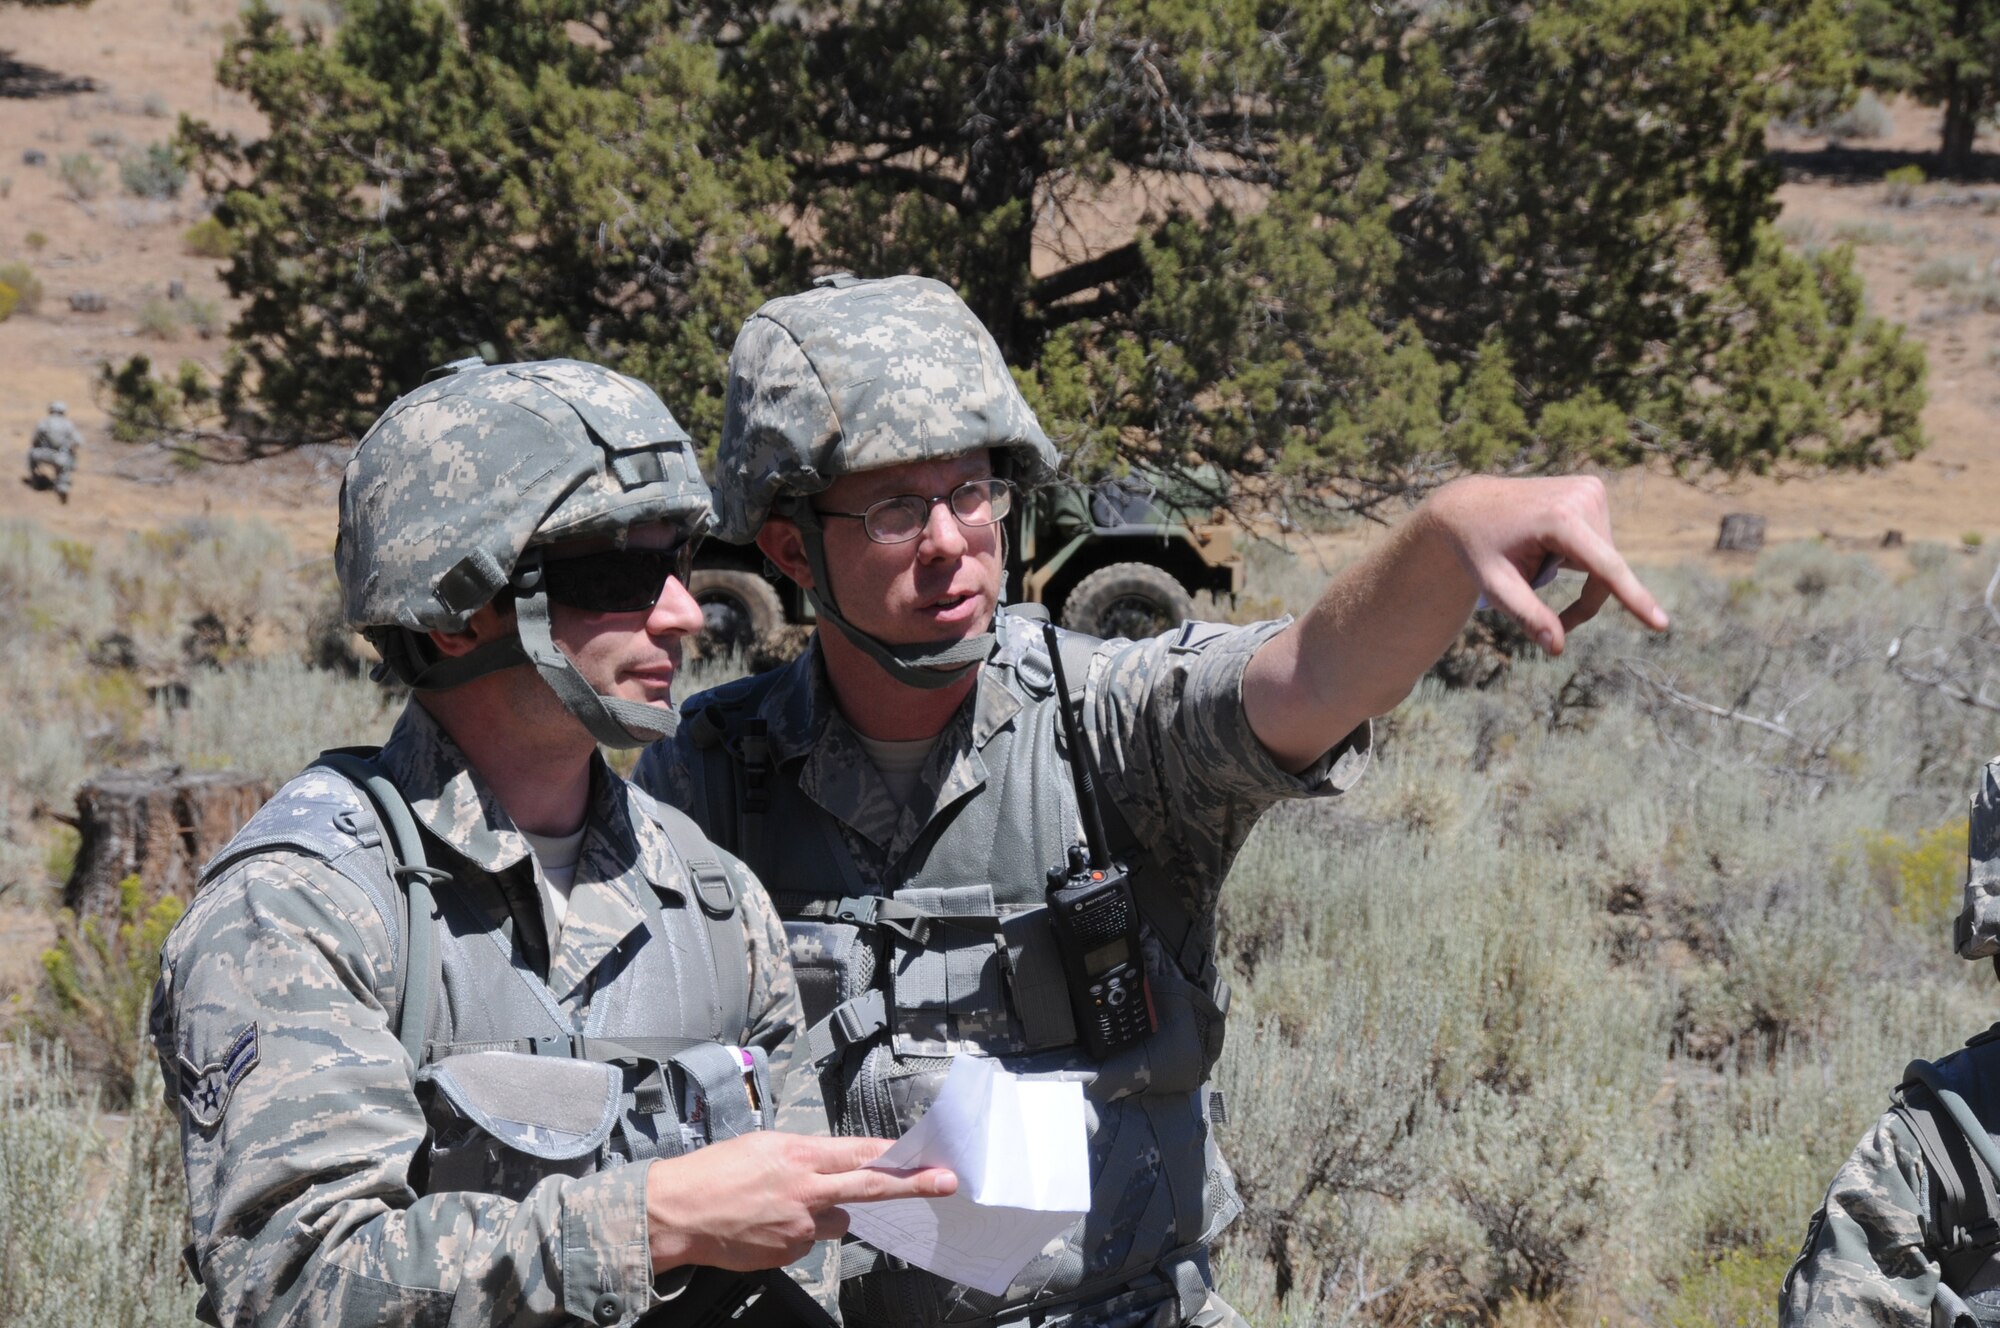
205 1091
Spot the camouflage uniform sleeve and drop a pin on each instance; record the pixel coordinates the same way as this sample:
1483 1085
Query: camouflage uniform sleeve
1177 752
299 1128
1864 1264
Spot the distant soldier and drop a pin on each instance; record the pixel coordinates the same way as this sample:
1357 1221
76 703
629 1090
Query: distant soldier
54 446
1909 1233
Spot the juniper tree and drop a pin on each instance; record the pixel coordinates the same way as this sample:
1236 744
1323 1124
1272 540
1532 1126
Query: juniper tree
523 179
1944 52
1368 243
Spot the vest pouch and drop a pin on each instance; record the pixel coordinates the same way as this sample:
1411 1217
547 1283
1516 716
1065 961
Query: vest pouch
947 989
1183 1049
833 964
1036 979
501 1121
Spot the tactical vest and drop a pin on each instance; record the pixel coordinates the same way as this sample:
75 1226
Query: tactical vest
1947 1107
954 953
512 1090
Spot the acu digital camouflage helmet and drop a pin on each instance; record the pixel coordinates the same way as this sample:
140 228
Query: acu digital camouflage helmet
855 376
451 496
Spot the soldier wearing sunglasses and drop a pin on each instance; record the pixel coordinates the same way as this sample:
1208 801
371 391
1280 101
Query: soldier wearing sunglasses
902 787
467 1028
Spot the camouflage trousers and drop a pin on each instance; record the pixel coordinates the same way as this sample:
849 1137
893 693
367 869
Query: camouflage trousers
63 463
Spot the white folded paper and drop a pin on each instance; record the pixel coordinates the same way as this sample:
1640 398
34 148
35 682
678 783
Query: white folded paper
1020 1149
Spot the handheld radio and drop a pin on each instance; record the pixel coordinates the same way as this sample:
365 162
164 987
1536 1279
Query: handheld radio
1091 908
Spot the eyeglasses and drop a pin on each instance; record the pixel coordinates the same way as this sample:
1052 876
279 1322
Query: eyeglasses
618 580
900 519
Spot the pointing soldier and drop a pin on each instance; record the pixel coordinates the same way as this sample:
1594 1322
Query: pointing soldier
470 1029
54 445
902 787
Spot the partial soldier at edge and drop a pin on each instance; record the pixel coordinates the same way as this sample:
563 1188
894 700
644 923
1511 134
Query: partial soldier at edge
1909 1231
54 448
470 1029
911 757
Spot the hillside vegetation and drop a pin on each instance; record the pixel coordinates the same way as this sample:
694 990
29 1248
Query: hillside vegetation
1565 1014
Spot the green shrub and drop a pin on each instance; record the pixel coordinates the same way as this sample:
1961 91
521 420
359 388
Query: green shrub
64 842
97 981
27 286
209 238
36 241
160 319
1899 186
204 316
156 172
1736 1290
1862 233
90 1229
1921 874
1866 118
81 174
1940 273
10 300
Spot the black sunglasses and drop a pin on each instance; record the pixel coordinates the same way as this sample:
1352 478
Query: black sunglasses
617 580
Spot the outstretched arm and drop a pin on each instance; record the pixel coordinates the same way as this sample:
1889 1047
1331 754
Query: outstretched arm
1358 651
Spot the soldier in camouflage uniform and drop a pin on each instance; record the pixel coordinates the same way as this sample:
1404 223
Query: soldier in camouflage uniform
536 1065
1909 1233
54 446
902 787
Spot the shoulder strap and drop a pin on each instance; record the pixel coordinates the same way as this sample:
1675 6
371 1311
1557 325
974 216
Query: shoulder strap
715 899
730 741
411 867
1959 1154
1187 943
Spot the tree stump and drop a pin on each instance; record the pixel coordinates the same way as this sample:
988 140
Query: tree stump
161 824
1742 532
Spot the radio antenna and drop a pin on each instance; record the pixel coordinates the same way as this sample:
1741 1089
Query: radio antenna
1079 761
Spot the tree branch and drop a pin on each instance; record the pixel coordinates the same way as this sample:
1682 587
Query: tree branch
939 187
1112 265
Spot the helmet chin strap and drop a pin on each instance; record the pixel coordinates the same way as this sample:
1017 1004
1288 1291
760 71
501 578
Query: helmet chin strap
928 667
611 720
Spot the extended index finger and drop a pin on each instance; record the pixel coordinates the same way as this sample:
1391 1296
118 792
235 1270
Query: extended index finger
1584 548
871 1185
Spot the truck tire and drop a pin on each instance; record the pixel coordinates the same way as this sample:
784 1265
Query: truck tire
1132 600
739 610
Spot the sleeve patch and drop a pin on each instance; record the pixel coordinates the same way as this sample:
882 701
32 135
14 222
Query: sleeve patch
205 1091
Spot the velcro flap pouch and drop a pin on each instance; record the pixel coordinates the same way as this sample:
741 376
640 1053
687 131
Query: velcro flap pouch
1040 986
501 1120
831 962
948 988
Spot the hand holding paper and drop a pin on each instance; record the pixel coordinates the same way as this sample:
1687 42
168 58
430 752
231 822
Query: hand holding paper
1020 1149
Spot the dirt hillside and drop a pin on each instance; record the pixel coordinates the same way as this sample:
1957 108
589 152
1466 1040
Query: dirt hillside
1933 263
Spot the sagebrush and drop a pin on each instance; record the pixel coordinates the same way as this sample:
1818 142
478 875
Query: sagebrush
1565 1014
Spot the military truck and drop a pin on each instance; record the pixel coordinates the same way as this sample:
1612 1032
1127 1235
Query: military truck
1123 557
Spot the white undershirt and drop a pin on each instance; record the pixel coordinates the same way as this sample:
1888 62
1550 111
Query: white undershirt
557 856
899 761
